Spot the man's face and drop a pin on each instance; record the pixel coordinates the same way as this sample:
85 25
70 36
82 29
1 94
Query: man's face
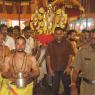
86 34
93 40
1 39
59 35
4 31
73 36
16 33
27 34
20 45
31 34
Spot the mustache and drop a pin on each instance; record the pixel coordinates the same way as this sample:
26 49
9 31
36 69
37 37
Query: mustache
20 50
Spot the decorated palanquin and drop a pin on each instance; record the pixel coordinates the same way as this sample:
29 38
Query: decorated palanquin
44 22
55 14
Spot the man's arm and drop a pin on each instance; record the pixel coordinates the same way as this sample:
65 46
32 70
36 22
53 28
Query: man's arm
71 53
68 68
50 71
35 68
77 66
70 61
48 58
7 51
74 75
73 81
5 68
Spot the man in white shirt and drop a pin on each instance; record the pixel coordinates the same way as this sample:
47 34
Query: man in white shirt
30 44
8 41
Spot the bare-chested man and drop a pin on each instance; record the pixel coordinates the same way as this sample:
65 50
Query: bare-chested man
19 61
4 50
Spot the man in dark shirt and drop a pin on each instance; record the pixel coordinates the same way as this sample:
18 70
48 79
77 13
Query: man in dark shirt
59 57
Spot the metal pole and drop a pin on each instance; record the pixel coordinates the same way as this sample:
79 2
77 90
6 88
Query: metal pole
19 14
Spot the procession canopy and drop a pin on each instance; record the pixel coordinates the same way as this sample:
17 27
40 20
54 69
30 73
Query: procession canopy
66 2
9 9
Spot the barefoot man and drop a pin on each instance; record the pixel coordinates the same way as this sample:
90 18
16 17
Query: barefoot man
19 65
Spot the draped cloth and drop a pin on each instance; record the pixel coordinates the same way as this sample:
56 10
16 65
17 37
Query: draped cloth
6 88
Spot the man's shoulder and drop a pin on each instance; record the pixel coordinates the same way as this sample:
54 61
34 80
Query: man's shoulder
30 56
84 50
88 47
6 47
9 57
31 59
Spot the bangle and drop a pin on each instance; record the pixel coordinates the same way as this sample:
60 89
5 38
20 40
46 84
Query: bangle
72 84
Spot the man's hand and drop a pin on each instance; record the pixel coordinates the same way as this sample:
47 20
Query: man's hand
67 70
51 73
73 90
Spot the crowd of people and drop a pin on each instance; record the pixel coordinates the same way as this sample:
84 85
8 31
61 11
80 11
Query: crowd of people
68 60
